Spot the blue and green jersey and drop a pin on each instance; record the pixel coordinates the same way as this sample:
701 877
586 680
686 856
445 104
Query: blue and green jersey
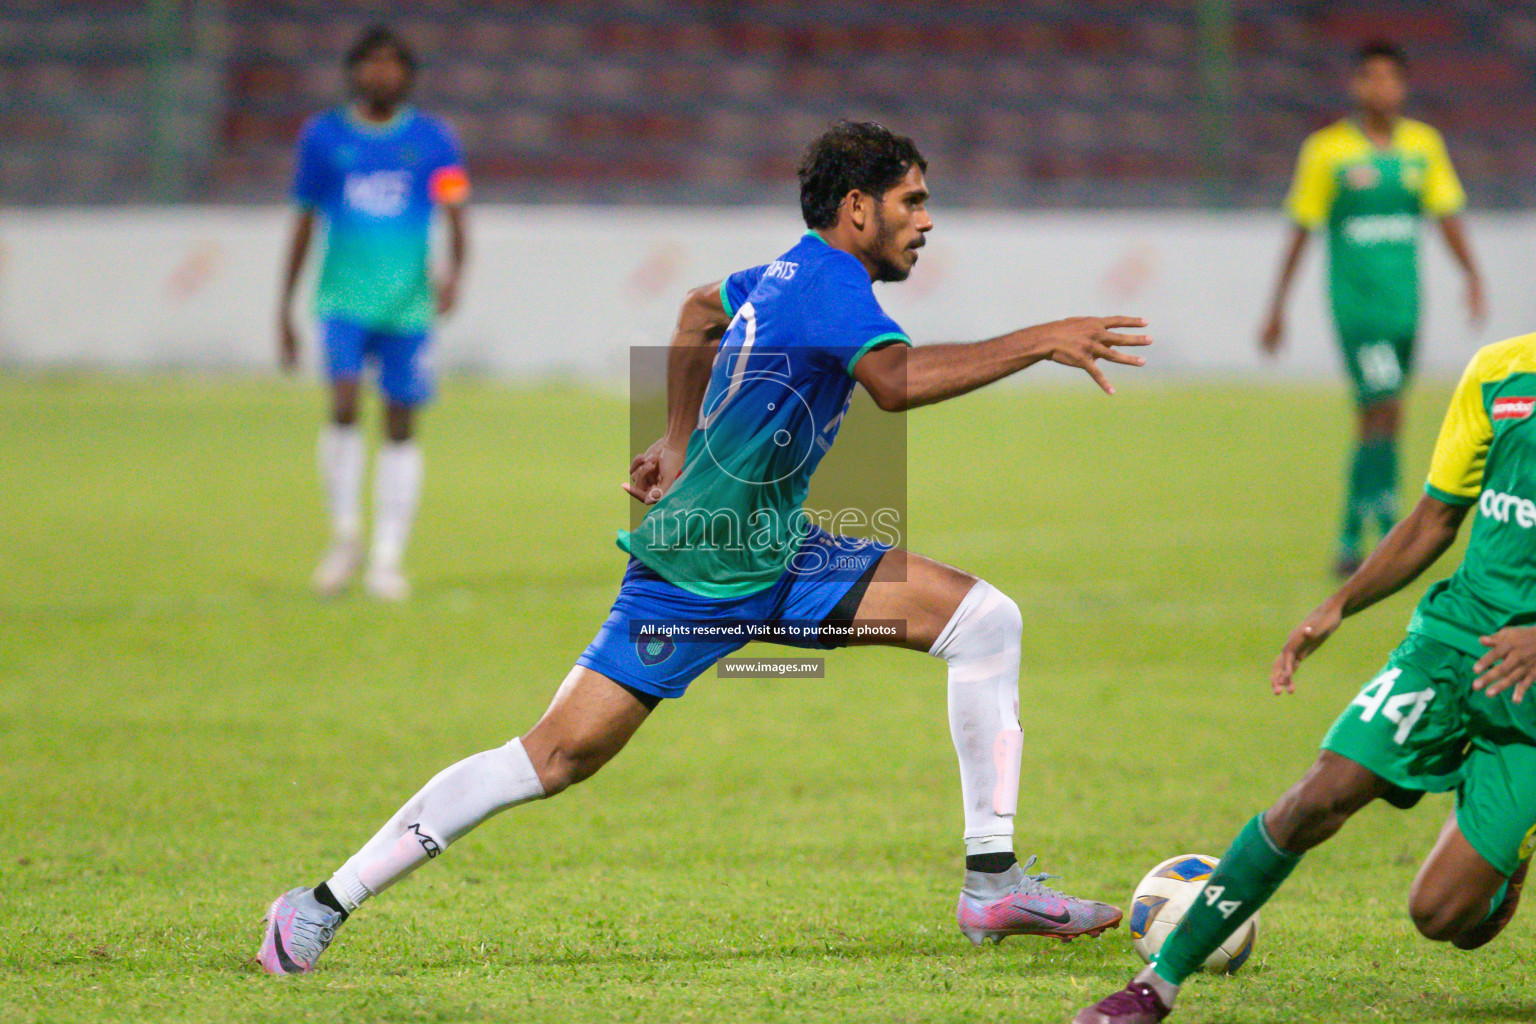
376 185
780 386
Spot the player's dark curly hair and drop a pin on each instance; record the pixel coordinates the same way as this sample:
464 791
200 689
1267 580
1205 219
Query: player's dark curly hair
852 155
379 37
1373 48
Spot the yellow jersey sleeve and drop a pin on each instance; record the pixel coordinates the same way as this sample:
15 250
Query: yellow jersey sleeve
1443 194
1313 187
1461 451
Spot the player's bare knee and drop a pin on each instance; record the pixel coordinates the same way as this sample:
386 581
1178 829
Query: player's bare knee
549 762
1429 921
555 774
344 403
1437 919
397 423
1323 814
1310 813
1444 905
567 764
583 764
1392 418
1296 824
1380 421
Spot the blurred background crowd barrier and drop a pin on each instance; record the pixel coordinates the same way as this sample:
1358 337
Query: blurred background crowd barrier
1086 156
1167 103
567 290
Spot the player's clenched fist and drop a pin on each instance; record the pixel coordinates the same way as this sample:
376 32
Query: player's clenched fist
653 471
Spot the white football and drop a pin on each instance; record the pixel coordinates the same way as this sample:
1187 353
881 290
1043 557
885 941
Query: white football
1164 896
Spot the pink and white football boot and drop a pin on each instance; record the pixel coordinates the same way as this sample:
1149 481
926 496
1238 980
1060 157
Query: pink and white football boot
1017 903
298 928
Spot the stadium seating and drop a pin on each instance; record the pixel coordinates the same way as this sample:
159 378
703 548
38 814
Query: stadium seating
1033 102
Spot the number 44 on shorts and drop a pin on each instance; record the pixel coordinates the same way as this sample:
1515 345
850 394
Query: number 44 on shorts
1404 709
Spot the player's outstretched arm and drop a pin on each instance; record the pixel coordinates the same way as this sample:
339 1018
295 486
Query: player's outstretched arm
898 377
1272 336
1411 547
700 325
298 248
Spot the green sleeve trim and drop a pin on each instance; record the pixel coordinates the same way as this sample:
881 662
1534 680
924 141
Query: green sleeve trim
1450 499
725 300
875 342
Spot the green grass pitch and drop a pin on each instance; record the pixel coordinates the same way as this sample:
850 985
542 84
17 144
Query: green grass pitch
185 731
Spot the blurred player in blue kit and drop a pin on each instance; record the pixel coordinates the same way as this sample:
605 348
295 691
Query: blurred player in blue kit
374 170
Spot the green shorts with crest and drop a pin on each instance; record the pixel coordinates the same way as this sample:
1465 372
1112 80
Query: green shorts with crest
1419 725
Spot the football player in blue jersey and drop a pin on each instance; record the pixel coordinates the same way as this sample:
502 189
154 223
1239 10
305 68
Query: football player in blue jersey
761 368
373 171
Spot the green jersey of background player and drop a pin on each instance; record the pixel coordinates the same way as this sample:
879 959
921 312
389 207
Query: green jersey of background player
1367 179
1446 713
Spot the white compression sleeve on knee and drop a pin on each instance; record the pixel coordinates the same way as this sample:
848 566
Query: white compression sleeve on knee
981 646
457 799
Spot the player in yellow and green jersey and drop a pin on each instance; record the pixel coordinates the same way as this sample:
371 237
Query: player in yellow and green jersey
1368 179
1450 711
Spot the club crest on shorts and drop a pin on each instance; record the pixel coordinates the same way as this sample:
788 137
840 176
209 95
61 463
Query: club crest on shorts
1514 407
652 649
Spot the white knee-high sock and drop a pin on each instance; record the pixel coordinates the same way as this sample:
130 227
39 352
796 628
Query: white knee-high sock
397 475
457 799
981 646
341 457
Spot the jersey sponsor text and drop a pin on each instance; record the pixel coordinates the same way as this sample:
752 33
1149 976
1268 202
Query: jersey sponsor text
1380 228
1503 508
1513 408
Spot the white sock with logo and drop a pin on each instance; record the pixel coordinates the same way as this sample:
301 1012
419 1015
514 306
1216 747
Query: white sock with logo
341 457
981 645
397 475
457 799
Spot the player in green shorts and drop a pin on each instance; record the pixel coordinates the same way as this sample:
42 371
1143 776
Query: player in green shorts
1447 713
1368 179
